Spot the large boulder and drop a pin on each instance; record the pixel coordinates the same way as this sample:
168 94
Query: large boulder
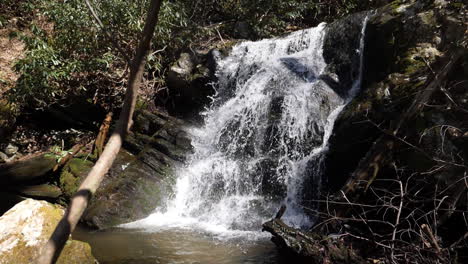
343 63
25 229
406 41
189 82
142 176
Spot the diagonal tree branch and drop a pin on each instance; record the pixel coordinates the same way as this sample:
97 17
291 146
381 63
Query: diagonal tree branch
88 187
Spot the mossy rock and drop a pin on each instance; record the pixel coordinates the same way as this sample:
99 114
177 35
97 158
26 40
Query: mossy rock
26 228
28 170
142 176
72 175
134 187
404 41
80 167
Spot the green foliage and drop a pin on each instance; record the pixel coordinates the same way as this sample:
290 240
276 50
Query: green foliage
58 152
68 54
59 48
272 17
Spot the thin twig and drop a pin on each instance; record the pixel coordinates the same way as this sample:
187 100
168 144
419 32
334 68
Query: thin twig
111 38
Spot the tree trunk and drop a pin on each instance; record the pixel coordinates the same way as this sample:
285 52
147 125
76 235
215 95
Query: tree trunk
88 187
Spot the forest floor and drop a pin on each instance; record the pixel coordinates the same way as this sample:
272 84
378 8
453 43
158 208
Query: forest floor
11 50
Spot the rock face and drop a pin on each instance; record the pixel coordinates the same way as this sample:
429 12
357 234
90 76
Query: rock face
25 229
140 179
402 140
341 52
405 41
28 170
189 82
142 175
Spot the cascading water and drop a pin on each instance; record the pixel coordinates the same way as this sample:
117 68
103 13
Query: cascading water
264 135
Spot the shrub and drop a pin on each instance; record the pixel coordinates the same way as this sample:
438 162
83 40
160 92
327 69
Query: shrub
68 54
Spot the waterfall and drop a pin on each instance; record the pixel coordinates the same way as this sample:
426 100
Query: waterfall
263 138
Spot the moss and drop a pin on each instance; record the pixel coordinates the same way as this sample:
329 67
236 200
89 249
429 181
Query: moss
68 183
79 167
74 252
43 190
410 66
405 90
72 174
141 105
456 5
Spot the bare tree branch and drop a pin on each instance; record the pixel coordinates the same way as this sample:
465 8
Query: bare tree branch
111 38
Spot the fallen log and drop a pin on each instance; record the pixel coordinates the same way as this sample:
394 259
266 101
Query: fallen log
310 247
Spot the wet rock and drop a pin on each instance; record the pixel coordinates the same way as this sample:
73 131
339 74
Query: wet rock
25 229
243 30
134 187
39 191
402 39
343 62
27 171
189 82
142 176
310 247
271 186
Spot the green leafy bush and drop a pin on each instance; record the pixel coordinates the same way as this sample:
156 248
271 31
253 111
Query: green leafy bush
272 17
68 55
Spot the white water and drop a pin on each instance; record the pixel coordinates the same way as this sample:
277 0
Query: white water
265 133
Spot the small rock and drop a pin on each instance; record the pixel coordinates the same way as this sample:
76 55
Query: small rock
3 157
243 30
11 150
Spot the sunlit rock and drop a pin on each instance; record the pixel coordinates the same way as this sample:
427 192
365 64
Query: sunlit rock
25 229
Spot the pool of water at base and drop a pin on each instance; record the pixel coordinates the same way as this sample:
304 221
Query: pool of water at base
176 246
